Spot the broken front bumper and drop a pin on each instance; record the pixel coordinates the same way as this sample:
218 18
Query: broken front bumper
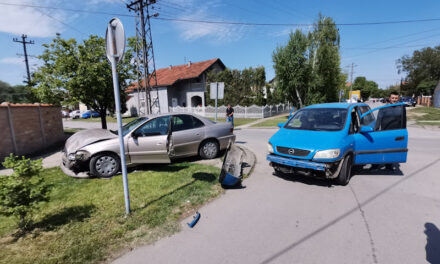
305 167
72 168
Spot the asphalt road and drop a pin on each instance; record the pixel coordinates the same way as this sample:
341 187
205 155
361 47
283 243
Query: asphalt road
378 218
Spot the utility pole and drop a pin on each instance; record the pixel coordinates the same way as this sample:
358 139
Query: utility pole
145 63
24 42
351 79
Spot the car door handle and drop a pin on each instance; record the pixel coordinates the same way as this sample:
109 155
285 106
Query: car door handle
399 138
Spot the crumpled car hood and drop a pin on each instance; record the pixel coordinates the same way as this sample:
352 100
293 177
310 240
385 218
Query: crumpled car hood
86 137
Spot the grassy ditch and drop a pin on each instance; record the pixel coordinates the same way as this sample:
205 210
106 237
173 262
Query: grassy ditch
84 221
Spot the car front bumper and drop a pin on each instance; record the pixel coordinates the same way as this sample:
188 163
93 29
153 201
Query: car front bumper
329 170
72 168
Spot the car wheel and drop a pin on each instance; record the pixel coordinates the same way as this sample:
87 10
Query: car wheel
345 173
105 165
209 149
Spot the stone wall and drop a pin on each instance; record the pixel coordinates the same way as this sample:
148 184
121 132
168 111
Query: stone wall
29 128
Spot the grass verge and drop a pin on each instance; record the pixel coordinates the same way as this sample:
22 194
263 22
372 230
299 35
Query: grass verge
84 222
424 114
437 123
272 122
237 121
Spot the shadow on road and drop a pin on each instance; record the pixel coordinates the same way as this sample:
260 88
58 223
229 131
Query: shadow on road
304 179
432 243
380 171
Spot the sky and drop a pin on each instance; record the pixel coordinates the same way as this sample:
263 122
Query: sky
373 49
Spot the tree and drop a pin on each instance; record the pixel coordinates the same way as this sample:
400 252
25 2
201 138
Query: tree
21 192
308 67
74 73
241 87
292 67
15 94
422 69
367 88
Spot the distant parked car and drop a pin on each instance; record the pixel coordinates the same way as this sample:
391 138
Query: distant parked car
89 113
150 139
409 101
75 114
64 113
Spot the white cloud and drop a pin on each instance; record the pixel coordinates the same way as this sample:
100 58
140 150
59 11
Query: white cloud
12 60
221 32
19 20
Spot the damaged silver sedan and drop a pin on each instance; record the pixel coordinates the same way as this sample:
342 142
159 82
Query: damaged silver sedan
150 139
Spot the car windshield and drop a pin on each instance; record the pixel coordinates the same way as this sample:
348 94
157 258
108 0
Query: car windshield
130 126
318 119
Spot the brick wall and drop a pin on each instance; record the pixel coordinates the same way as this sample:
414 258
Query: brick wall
34 128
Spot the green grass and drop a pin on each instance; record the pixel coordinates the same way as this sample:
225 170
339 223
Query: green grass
437 123
424 113
84 222
272 122
237 121
109 119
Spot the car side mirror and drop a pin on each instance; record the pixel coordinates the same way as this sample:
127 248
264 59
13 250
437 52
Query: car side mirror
280 125
366 129
134 135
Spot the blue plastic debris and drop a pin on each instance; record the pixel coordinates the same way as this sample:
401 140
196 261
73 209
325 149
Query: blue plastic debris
195 220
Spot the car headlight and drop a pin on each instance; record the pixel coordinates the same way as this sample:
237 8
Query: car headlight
81 155
269 148
71 156
327 154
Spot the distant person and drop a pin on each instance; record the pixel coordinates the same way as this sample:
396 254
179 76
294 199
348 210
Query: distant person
230 114
386 124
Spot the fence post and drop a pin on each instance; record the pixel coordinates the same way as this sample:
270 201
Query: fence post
11 129
245 112
43 134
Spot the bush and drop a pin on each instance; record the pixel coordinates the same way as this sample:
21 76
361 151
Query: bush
21 192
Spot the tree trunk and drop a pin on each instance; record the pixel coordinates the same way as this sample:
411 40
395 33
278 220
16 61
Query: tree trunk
103 113
299 98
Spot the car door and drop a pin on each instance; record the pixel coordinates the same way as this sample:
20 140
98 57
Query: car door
188 132
150 143
383 136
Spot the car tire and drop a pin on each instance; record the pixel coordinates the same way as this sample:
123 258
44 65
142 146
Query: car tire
209 149
345 173
105 165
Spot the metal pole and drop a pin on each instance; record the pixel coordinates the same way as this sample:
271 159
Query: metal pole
118 116
216 95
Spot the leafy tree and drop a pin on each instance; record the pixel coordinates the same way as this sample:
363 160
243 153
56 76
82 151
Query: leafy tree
367 88
422 69
308 67
292 67
21 192
75 72
241 87
15 94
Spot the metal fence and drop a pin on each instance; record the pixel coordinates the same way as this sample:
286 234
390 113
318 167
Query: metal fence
252 111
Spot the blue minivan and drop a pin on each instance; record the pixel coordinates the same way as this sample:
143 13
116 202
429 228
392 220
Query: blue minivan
326 140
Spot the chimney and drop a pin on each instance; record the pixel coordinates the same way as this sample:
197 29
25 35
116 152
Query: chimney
170 67
189 63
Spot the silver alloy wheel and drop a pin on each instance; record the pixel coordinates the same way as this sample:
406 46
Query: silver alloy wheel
106 165
210 149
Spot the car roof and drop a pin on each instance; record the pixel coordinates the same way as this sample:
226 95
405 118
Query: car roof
335 105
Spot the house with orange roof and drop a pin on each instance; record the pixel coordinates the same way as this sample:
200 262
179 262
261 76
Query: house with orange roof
180 85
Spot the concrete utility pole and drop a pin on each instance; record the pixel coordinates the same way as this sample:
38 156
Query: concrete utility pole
24 42
145 63
351 78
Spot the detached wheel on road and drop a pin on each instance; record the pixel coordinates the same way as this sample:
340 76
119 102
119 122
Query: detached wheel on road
345 173
105 165
209 149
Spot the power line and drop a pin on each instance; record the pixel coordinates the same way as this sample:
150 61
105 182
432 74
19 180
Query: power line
232 22
59 21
